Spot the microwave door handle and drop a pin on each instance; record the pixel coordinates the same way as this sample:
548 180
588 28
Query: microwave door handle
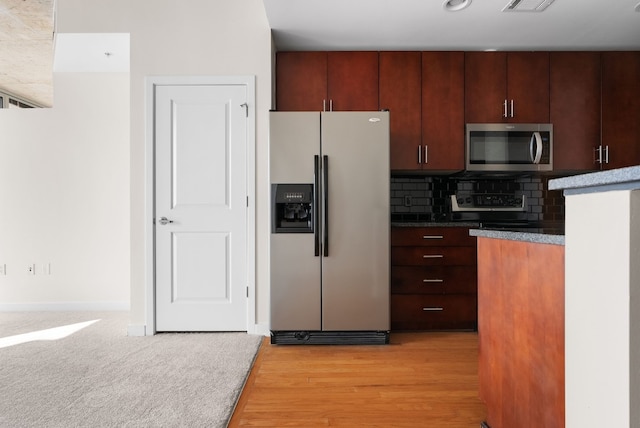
536 139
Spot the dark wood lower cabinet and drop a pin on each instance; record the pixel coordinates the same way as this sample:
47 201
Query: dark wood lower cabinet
433 311
433 279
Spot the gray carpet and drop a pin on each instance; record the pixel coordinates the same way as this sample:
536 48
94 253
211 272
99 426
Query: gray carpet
99 377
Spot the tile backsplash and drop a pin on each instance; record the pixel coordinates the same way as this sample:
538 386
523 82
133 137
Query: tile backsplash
427 198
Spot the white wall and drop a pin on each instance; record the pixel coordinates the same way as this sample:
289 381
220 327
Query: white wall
185 37
602 246
64 197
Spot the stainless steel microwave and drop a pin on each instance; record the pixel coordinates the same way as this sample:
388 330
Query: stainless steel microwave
509 147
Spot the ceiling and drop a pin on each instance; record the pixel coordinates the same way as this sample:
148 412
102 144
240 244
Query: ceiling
31 52
27 41
426 25
26 49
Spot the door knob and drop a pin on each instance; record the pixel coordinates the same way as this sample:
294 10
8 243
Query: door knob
164 220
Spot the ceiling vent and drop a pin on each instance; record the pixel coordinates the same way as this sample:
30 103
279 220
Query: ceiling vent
527 5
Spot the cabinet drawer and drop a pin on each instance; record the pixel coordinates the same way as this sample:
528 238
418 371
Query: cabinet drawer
432 256
431 236
433 280
433 312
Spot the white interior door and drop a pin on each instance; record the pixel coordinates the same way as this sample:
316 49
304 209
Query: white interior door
200 207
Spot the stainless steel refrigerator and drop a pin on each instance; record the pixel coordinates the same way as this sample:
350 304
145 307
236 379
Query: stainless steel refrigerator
329 250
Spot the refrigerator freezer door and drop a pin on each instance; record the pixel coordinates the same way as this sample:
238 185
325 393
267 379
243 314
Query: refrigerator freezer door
355 274
294 141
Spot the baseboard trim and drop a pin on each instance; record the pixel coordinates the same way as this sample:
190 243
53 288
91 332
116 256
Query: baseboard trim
136 330
260 329
65 306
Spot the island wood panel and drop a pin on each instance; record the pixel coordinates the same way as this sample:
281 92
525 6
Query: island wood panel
418 380
521 333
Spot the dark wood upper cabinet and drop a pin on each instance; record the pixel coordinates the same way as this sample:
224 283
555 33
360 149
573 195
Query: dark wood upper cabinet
591 98
485 86
425 93
400 86
352 81
507 87
575 109
301 81
316 81
620 109
443 110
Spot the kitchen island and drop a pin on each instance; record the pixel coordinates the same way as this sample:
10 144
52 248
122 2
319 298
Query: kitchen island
521 326
560 320
602 298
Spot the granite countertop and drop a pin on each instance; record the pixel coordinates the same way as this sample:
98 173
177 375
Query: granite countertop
534 235
615 179
541 235
435 224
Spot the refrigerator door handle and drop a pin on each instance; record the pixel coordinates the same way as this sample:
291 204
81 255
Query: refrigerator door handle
325 205
316 202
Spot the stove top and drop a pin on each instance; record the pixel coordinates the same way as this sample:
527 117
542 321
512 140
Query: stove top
479 202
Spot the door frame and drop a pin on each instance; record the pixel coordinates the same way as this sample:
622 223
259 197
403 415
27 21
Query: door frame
149 188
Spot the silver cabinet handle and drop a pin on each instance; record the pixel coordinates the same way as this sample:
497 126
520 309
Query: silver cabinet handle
606 154
426 154
432 237
504 113
598 150
163 221
432 280
324 105
433 308
432 256
512 111
331 105
419 154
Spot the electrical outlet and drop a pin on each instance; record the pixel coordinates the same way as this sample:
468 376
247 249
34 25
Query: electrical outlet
46 268
31 269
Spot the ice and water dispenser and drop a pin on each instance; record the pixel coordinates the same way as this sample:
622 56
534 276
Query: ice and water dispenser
292 208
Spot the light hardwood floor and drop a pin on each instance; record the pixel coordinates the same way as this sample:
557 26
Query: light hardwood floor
418 380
